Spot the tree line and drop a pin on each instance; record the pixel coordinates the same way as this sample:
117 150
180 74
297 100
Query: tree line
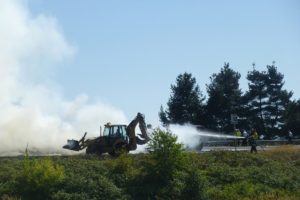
265 105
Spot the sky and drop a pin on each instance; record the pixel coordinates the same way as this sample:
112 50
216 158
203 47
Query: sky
126 54
130 52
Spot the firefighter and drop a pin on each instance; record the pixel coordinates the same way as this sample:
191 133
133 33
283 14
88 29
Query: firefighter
237 133
252 140
290 137
245 135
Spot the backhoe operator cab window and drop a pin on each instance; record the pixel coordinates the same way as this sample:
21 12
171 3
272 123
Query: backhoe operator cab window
115 131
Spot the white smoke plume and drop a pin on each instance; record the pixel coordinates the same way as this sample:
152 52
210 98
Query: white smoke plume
34 112
186 134
191 137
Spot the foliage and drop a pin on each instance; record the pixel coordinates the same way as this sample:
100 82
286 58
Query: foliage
256 100
265 106
273 174
266 100
166 153
38 178
292 117
165 150
6 197
87 178
278 99
185 103
163 117
161 174
88 187
252 176
195 182
224 98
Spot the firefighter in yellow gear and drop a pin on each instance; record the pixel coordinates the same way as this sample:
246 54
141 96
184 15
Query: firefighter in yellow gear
237 133
252 140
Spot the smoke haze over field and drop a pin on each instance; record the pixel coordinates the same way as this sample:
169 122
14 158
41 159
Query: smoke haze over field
34 111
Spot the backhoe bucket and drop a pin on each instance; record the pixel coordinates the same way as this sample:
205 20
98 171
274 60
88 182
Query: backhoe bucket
72 145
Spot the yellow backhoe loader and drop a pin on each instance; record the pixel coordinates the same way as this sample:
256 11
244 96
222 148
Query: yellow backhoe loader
114 139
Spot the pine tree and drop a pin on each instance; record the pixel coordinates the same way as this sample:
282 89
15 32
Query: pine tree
163 117
224 98
266 101
185 103
256 100
278 99
292 117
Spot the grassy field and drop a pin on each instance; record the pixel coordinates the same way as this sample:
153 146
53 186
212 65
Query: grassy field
165 172
221 175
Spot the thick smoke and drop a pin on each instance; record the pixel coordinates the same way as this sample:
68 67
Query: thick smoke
34 112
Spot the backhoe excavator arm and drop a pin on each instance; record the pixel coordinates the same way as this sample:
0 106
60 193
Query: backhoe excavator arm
143 137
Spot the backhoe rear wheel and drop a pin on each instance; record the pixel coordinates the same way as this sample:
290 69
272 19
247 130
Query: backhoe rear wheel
118 149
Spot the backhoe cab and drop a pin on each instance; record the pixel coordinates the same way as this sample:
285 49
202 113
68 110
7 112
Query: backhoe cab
114 139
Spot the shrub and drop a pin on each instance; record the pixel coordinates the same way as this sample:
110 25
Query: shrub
81 187
87 177
195 185
167 154
213 175
122 170
162 173
38 178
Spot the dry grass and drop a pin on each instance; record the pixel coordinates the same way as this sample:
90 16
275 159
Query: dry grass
284 153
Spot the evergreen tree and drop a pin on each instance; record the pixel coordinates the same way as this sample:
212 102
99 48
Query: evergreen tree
224 98
185 103
266 101
292 117
278 99
163 117
256 100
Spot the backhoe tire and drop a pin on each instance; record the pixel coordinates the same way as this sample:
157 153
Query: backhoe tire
118 149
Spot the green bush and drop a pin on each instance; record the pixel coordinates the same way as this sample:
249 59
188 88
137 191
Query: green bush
93 188
195 185
87 177
162 174
168 156
38 178
122 170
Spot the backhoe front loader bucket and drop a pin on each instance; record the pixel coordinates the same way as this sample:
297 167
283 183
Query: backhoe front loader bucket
76 145
72 145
